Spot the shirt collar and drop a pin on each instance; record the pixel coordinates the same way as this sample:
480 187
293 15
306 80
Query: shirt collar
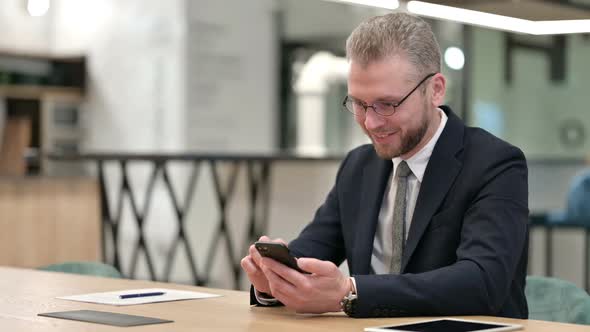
419 161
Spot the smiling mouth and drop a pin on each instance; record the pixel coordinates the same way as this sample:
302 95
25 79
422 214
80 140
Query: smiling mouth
384 135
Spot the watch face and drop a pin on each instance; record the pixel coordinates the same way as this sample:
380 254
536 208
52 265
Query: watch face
349 305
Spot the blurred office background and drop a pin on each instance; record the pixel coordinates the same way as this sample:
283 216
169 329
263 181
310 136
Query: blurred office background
186 82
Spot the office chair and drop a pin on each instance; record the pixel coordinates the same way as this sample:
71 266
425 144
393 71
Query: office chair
557 300
86 268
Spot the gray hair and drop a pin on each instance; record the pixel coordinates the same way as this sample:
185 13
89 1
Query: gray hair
395 34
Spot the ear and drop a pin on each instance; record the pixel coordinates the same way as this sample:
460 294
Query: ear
439 88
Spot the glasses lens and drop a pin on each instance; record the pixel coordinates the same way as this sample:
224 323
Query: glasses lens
384 108
349 105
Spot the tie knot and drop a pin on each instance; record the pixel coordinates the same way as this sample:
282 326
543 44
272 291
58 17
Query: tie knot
403 170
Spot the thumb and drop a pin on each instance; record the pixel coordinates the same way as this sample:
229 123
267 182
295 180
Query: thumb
316 266
264 238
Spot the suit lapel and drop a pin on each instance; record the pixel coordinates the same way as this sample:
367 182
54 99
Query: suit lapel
440 174
374 182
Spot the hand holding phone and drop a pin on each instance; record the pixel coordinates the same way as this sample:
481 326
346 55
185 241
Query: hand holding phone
278 252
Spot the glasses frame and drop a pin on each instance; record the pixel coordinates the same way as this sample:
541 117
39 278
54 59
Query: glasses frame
393 105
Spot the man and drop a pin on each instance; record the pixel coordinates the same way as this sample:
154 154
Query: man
431 218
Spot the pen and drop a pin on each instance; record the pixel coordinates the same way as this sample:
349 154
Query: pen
130 296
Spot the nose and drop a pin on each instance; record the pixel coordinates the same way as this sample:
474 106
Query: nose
373 120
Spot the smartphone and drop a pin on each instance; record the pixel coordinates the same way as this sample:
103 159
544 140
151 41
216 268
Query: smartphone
278 252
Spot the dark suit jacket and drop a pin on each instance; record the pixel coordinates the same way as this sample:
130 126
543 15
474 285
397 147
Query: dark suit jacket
466 252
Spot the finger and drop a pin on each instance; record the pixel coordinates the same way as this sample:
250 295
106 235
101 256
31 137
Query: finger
253 251
255 255
277 283
255 275
292 276
265 238
249 266
284 298
317 266
291 298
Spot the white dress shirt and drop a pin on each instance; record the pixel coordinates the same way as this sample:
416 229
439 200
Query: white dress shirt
383 235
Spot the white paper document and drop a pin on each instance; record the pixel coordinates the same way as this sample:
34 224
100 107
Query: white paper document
114 298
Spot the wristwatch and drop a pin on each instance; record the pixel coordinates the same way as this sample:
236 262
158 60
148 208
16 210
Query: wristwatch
348 303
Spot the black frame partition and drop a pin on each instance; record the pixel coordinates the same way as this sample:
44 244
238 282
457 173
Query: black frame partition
257 169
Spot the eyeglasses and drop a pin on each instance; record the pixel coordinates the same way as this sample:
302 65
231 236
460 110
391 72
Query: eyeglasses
384 108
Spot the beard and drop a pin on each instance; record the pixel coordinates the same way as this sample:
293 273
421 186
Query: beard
413 138
408 141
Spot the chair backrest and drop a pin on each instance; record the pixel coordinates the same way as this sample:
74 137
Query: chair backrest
578 198
87 268
557 300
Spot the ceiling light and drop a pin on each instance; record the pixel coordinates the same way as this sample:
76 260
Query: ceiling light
498 22
38 7
454 58
562 27
387 4
472 17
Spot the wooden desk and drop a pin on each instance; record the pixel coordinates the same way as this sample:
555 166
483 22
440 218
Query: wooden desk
25 293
